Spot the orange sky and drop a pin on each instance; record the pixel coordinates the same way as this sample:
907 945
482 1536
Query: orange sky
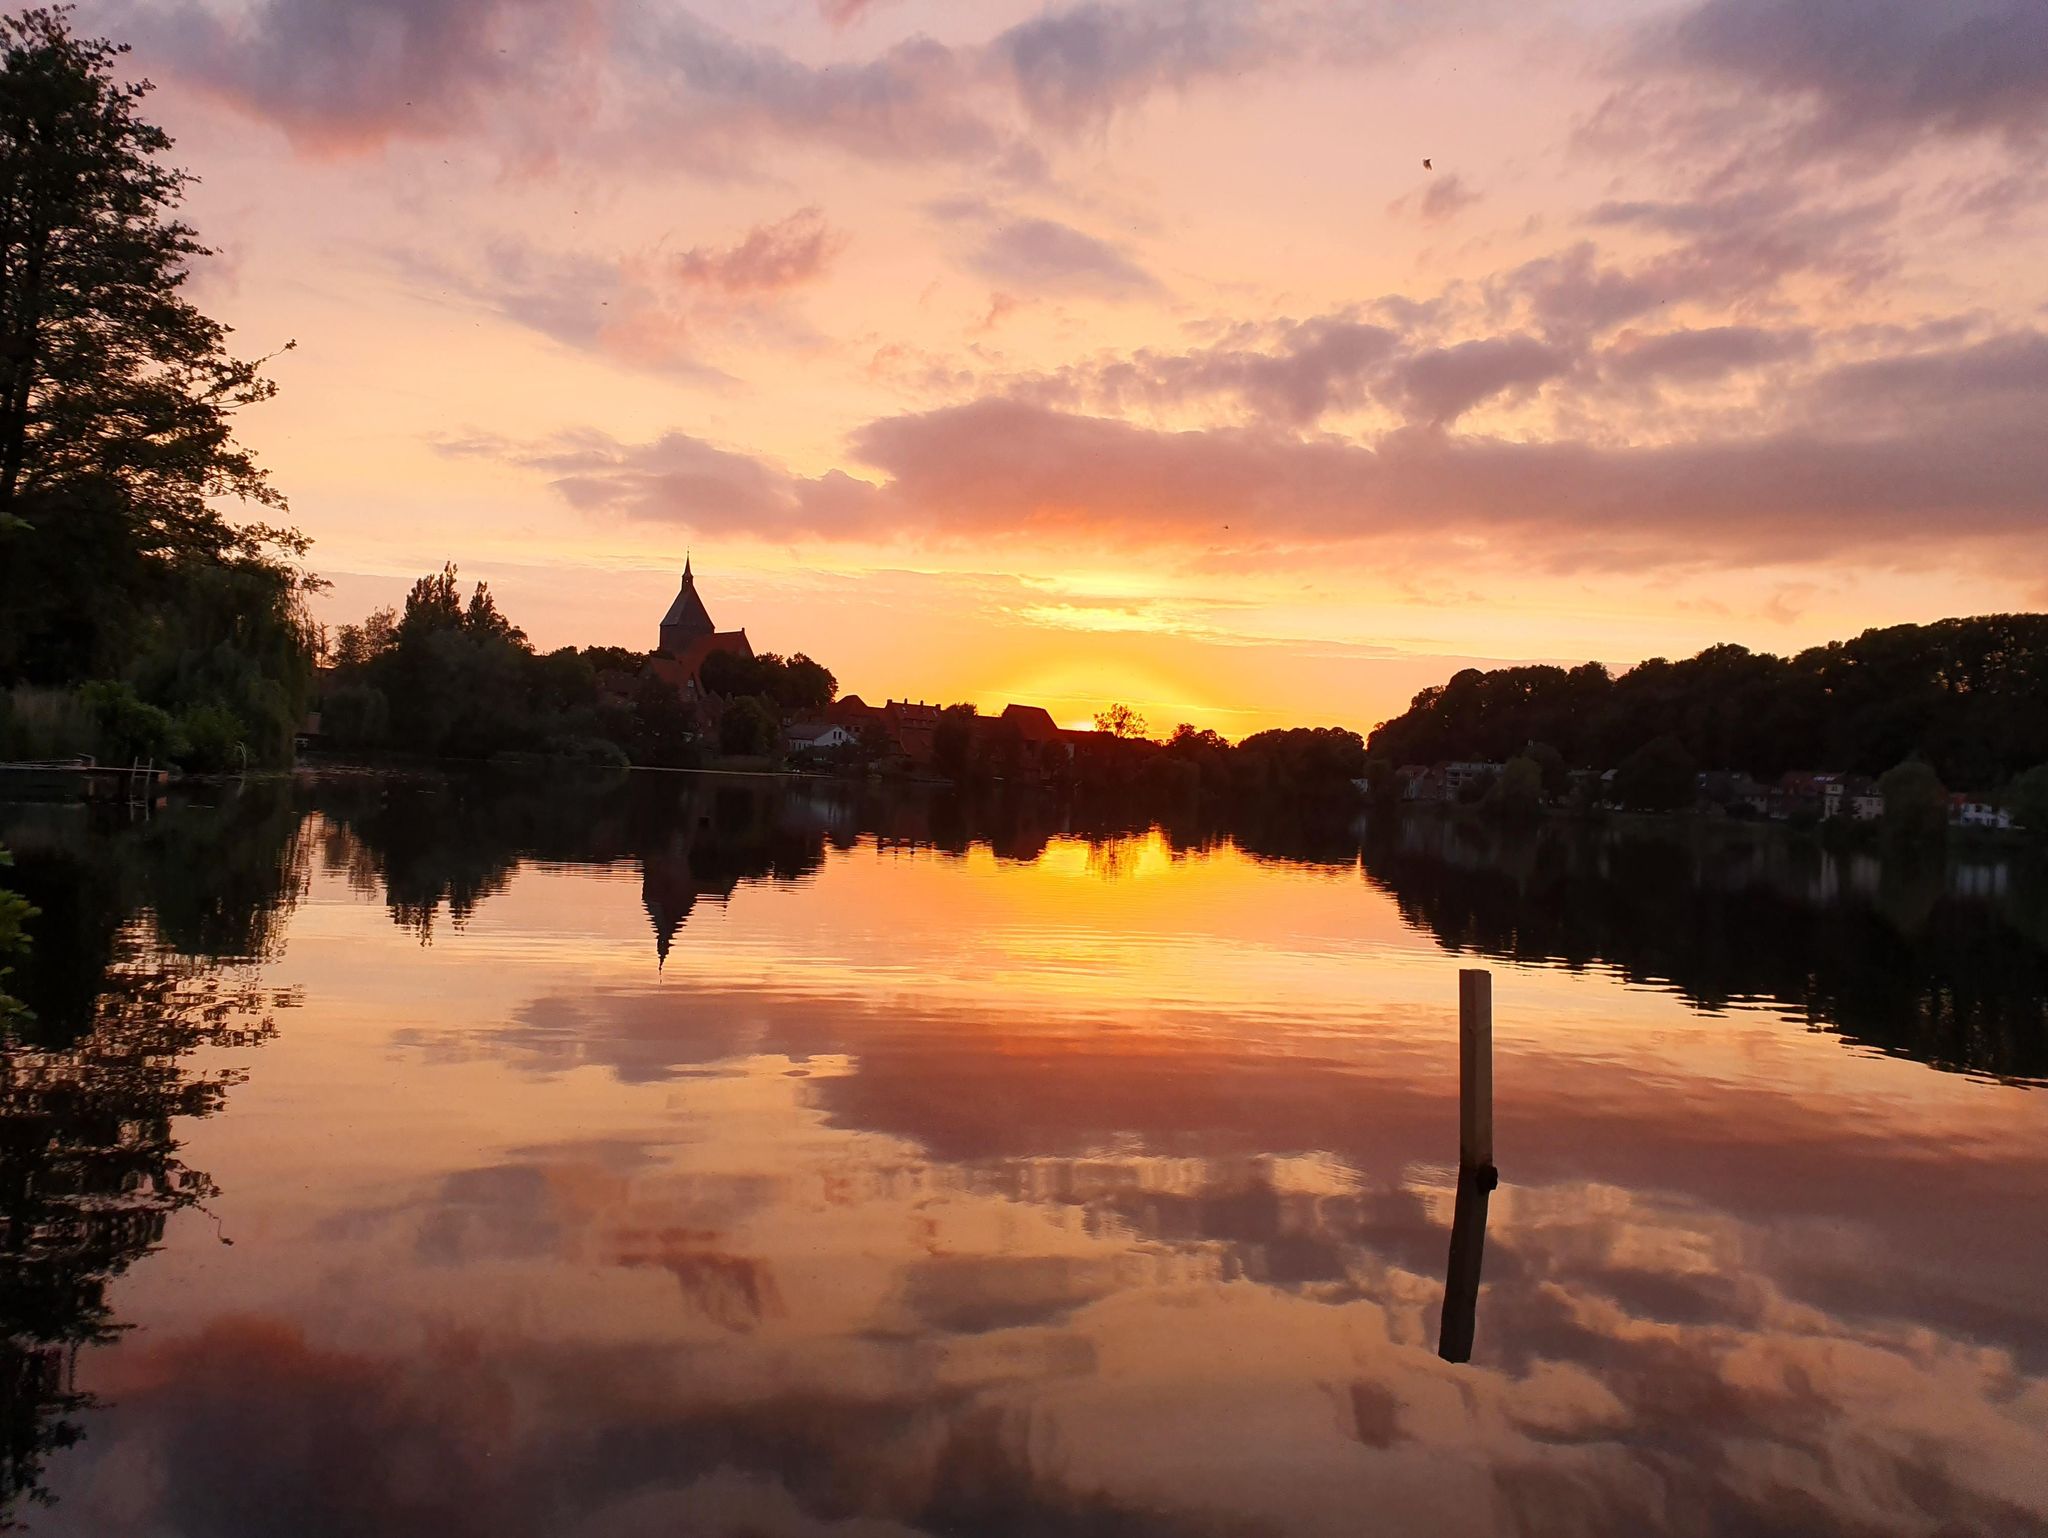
1128 350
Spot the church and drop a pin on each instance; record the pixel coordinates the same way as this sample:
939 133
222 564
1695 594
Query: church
688 638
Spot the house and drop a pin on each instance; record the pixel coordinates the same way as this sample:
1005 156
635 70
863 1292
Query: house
1798 794
912 728
1734 792
1419 782
1458 776
1033 723
689 639
1963 812
816 736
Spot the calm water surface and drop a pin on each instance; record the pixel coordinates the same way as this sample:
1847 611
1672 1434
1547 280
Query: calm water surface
394 1157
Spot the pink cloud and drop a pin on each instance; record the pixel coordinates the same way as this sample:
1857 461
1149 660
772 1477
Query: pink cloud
771 257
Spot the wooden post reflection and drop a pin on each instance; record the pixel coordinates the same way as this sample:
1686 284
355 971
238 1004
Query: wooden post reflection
1461 1277
1476 1174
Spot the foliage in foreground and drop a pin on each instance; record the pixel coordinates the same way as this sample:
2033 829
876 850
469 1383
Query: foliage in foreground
118 400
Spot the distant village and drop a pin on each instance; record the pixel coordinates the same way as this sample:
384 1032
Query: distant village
911 736
1795 797
901 734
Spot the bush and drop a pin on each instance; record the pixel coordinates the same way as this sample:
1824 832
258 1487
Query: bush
589 752
212 740
1660 776
355 716
1915 802
746 729
46 723
1517 791
125 728
2028 799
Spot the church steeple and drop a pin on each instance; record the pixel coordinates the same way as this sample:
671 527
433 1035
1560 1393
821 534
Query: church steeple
687 618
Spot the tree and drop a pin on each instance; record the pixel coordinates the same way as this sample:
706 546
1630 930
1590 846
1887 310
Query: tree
747 729
806 685
117 395
15 912
1915 802
1517 791
2028 799
1120 722
1660 776
1557 779
953 741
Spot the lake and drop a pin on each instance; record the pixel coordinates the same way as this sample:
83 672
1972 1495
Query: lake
447 1155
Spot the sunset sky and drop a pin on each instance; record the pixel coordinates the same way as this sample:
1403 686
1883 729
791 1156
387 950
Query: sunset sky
1072 353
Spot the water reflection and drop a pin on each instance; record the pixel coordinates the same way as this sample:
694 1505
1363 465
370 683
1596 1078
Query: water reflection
1946 963
1943 962
124 988
1461 1271
732 1160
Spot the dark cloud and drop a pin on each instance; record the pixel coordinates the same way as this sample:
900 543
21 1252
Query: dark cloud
1982 377
684 481
1875 70
1701 354
1869 457
343 76
1444 383
1045 256
1730 249
1003 467
785 254
638 79
1074 68
1293 373
703 92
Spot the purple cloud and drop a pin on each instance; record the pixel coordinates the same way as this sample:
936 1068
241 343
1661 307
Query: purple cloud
1074 68
1707 352
1876 69
1045 256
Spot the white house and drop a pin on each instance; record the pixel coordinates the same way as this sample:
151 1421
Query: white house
807 735
1977 814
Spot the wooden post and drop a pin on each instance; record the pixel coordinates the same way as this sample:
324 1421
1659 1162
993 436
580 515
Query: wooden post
1475 1068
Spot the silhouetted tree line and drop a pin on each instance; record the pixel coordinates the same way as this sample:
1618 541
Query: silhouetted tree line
451 677
1118 762
136 619
1967 696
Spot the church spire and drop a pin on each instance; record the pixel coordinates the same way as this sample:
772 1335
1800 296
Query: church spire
687 619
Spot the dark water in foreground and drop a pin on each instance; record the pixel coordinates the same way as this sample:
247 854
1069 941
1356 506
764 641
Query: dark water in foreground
680 1158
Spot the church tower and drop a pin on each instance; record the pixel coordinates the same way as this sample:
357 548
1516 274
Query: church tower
687 619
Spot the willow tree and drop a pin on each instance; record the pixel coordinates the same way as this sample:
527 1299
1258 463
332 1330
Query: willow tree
117 394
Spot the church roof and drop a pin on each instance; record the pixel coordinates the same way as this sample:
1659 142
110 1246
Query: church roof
688 613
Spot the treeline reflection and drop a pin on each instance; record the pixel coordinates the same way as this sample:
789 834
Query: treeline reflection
139 960
1942 962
